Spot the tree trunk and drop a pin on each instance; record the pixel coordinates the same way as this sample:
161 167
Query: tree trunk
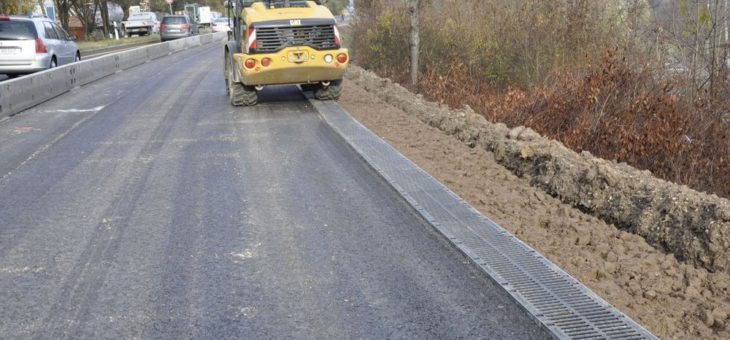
43 8
20 7
725 21
415 40
105 17
62 13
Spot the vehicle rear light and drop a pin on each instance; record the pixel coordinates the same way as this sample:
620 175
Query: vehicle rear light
342 58
3 18
328 59
185 26
266 62
163 26
250 63
251 39
338 41
40 47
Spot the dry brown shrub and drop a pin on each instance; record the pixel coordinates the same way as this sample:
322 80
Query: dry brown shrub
614 109
521 63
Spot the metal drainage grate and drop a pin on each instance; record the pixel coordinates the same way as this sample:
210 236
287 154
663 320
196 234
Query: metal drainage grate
563 305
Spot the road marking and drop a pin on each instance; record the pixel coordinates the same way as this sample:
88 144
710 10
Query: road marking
11 270
94 109
24 129
247 312
245 254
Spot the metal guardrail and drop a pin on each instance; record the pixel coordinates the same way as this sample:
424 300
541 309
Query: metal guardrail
20 94
564 306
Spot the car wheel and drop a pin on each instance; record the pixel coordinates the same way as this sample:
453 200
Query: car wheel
226 70
331 92
239 94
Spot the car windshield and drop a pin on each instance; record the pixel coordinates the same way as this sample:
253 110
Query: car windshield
173 20
223 20
17 30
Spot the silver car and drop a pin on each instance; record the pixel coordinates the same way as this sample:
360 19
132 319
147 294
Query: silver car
29 45
177 26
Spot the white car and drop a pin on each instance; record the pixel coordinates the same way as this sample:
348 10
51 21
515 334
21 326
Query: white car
144 23
29 45
221 24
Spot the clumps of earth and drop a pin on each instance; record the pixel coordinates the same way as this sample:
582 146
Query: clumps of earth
656 250
693 226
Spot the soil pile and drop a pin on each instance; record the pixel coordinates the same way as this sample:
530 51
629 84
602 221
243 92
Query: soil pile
671 298
693 226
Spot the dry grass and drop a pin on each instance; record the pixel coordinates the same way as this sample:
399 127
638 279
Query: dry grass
611 101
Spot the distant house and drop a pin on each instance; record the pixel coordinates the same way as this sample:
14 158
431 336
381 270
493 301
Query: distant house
75 28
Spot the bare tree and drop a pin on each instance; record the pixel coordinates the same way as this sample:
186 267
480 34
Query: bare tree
104 6
62 11
43 7
415 40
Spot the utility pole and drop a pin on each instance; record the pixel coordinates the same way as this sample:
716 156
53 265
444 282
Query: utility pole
415 40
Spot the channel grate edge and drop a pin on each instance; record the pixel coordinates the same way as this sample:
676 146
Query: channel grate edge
564 306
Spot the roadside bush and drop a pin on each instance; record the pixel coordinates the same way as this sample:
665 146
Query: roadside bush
577 71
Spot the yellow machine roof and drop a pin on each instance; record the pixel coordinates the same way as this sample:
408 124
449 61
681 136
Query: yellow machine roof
260 11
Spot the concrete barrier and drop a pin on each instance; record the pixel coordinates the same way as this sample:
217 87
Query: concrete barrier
177 45
158 51
132 58
20 94
93 69
192 41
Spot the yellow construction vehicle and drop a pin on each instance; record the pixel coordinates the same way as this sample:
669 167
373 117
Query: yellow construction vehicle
280 42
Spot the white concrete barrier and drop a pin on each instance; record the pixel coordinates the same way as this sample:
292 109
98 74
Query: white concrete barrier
20 94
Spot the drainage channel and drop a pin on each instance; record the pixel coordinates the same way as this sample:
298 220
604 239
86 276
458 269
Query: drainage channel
564 306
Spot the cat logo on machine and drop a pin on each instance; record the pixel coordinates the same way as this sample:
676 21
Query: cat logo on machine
295 22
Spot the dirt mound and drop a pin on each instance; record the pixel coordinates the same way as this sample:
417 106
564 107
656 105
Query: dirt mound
673 299
693 226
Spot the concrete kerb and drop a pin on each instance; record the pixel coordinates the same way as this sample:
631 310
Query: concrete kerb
20 94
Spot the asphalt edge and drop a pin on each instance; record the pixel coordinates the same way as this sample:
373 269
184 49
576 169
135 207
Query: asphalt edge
326 108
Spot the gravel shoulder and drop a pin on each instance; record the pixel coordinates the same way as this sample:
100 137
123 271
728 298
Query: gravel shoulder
672 299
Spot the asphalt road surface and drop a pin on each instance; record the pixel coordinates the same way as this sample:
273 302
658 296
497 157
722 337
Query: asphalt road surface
143 205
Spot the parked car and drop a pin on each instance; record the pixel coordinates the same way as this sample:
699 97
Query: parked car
143 23
221 25
29 45
177 26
